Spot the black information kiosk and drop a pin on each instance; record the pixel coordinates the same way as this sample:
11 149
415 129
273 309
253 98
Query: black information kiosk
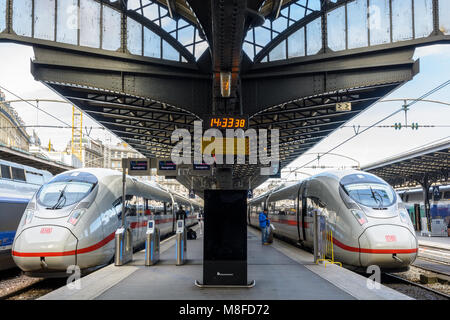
225 239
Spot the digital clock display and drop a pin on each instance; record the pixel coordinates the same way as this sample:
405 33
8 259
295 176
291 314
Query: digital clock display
227 122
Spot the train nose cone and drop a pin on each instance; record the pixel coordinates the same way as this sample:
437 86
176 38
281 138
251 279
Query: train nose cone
44 249
387 246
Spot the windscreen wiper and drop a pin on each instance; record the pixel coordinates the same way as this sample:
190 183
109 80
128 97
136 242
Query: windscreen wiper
61 196
380 203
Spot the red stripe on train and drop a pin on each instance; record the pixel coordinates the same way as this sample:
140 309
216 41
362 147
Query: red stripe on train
94 247
353 249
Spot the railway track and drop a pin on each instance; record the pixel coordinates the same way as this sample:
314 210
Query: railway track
411 288
14 285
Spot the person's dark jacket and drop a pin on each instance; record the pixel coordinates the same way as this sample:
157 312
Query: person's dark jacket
181 214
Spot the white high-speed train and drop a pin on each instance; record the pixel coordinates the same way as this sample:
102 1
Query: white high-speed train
72 220
369 222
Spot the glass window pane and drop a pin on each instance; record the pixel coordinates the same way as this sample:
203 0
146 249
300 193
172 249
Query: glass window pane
151 12
169 52
336 29
90 23
314 5
262 36
279 52
379 22
152 44
296 44
248 49
2 15
44 19
357 24
67 21
168 24
280 24
22 17
134 37
423 18
314 37
296 12
186 35
402 20
111 29
444 16
200 48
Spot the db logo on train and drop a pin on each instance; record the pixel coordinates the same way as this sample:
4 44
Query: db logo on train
390 238
46 230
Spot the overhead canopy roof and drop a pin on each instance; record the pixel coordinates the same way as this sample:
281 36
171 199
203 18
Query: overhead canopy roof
410 169
28 159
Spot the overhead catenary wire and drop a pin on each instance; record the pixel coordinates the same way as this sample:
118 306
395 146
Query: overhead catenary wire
36 107
441 86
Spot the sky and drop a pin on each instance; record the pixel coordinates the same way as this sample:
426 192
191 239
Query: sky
15 76
369 147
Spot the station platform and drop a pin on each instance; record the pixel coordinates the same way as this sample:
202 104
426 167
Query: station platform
435 242
281 272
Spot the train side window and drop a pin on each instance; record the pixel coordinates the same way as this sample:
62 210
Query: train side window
131 206
6 172
18 174
447 195
314 205
34 177
272 208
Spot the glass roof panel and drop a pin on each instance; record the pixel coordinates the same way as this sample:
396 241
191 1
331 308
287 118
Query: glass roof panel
180 29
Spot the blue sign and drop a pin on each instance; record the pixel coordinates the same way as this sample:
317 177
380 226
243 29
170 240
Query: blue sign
250 194
167 165
202 166
191 194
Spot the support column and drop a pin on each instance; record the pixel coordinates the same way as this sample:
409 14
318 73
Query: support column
425 183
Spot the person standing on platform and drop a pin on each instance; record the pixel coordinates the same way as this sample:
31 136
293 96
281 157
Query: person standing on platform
181 215
264 224
200 221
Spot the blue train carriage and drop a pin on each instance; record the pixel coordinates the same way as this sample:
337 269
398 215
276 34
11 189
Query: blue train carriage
439 204
18 183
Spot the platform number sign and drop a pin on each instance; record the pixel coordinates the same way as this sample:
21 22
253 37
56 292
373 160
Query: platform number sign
250 194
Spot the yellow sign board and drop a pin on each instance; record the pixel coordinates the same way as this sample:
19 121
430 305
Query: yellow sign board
226 146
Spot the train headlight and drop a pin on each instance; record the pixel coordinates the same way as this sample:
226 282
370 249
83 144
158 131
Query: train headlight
359 216
404 216
28 216
75 216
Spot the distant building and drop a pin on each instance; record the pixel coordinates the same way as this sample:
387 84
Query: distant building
113 154
12 131
91 153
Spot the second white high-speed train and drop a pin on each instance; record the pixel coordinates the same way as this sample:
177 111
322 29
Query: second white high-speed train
72 220
367 219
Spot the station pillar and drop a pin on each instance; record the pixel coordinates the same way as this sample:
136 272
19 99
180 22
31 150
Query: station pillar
225 239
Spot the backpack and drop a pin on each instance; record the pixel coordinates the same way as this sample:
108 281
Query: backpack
191 234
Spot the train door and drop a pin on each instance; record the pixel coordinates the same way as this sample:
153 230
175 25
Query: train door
417 216
304 210
299 214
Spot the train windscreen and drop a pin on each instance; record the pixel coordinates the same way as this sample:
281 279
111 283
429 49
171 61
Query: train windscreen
369 191
66 189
